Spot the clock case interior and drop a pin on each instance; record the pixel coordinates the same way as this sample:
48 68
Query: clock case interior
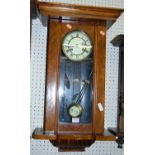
62 73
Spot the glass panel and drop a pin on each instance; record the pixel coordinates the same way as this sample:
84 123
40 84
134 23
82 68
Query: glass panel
76 87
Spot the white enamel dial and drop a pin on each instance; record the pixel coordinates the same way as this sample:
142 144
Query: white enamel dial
77 45
75 110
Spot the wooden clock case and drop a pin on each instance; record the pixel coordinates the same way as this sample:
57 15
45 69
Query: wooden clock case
64 18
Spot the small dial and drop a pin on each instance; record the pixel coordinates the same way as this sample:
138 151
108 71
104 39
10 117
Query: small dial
77 45
75 110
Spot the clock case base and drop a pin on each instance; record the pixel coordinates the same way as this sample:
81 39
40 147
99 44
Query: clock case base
72 142
72 145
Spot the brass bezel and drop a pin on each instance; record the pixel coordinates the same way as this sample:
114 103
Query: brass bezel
78 106
77 30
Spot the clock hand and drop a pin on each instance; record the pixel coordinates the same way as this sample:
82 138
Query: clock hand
81 46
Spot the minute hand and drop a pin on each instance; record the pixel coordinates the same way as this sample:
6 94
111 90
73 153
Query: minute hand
80 46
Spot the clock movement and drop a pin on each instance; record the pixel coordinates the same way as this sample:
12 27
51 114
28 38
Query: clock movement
75 75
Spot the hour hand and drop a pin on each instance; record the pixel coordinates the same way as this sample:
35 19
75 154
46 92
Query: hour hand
79 46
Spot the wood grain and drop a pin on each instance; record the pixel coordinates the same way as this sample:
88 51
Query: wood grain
75 128
40 133
71 145
78 11
99 77
50 119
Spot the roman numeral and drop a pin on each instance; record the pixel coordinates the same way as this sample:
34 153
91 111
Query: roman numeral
84 50
69 50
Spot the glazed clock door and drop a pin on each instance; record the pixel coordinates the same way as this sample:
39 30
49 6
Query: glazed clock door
75 82
75 101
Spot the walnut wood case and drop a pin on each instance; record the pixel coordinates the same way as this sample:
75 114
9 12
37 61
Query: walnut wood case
92 20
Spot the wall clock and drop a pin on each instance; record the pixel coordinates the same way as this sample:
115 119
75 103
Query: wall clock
75 76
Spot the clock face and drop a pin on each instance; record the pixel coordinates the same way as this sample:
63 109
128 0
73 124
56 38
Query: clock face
77 45
75 110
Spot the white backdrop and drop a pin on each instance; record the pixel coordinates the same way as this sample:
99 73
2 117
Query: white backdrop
107 3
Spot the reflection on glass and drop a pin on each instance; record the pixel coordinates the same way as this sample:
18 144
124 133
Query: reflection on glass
76 86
